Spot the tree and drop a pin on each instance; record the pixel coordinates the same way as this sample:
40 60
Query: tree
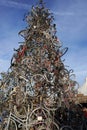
37 82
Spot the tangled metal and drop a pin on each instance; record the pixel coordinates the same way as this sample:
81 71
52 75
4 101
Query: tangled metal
37 82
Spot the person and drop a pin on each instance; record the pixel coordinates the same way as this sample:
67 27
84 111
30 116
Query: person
85 112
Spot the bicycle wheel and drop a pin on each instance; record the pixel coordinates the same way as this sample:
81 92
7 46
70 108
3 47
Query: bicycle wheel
40 111
23 33
12 125
66 127
9 125
50 103
37 119
31 89
18 113
63 51
52 126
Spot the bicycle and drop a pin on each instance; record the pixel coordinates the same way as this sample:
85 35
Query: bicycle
39 118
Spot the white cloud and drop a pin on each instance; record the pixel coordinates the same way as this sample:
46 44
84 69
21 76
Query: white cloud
63 13
14 4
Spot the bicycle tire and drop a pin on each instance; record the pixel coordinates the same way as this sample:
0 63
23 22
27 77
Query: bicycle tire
53 126
66 127
43 110
13 125
63 51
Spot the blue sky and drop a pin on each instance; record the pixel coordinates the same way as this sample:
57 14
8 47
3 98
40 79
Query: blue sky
70 18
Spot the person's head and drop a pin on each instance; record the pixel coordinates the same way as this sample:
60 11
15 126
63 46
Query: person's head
84 109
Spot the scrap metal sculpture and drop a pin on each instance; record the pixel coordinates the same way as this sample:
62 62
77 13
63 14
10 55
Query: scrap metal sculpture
37 82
